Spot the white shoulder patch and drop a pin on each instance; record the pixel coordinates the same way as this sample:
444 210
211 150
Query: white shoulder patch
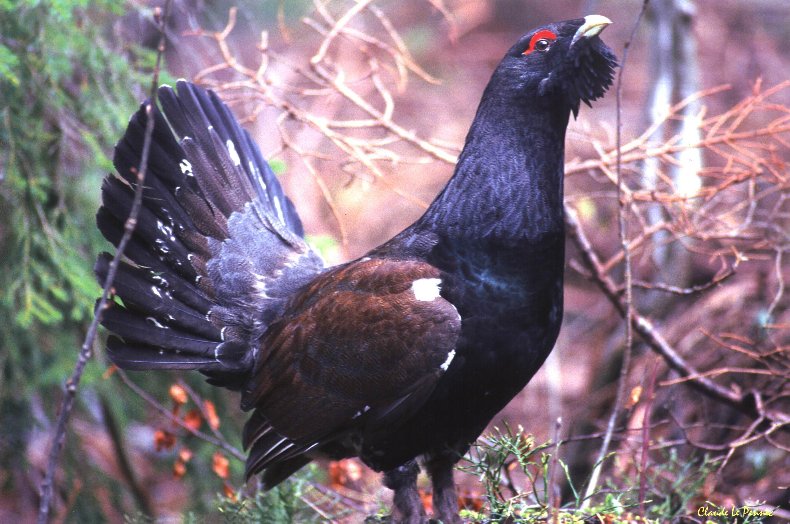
426 289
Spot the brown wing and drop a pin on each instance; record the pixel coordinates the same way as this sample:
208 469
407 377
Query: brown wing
362 342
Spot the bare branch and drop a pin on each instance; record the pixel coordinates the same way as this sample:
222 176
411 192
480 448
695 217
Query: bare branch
642 326
628 304
220 441
86 351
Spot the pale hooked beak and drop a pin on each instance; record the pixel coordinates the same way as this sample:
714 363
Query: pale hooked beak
593 25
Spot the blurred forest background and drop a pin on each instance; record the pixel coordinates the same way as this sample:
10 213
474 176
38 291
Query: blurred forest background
362 107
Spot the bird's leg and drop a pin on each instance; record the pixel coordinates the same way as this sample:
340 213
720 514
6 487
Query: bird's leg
406 504
445 500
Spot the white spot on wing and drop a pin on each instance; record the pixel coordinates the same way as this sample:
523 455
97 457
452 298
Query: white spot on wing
234 155
449 360
426 289
455 309
361 412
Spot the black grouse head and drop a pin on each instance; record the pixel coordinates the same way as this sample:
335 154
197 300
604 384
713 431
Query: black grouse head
563 62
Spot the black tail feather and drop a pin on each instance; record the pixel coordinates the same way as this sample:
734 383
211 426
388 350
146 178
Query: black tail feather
136 356
217 246
161 199
212 167
178 280
142 293
117 198
134 326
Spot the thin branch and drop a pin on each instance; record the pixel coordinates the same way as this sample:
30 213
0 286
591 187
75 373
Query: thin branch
201 406
46 489
780 285
336 29
691 290
648 409
552 505
219 442
141 496
367 134
642 326
628 302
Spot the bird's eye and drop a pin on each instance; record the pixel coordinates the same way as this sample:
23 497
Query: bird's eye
541 41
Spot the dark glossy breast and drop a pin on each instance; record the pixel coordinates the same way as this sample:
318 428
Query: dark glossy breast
510 301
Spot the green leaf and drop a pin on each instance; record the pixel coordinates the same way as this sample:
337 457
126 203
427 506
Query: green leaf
326 246
278 166
8 63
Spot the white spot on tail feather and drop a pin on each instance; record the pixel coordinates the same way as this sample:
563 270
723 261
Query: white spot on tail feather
154 322
166 230
160 280
426 289
186 167
234 155
279 209
254 169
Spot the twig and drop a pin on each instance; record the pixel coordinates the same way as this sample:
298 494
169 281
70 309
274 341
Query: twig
367 133
780 285
691 290
140 495
643 327
508 482
336 29
628 305
201 406
46 488
340 498
166 413
651 396
553 512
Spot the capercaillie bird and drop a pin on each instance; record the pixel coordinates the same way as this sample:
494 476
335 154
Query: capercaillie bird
401 357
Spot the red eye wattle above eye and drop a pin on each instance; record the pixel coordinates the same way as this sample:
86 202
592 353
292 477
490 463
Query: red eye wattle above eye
543 34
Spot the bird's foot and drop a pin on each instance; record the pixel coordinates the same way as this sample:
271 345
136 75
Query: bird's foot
407 506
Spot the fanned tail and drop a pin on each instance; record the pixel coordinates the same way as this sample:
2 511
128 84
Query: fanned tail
217 248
